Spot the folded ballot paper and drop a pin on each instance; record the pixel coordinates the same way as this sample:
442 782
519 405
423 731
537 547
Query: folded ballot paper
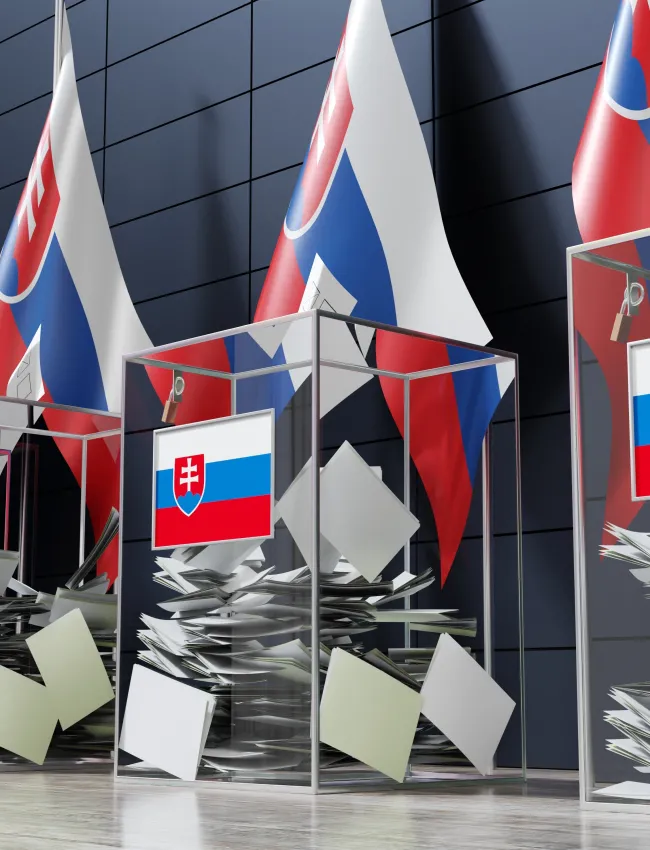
230 651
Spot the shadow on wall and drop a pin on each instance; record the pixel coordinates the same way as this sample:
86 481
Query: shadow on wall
512 257
512 253
216 236
198 305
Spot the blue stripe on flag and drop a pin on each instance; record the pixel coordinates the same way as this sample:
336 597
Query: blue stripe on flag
346 238
239 478
264 391
641 404
69 362
478 396
165 488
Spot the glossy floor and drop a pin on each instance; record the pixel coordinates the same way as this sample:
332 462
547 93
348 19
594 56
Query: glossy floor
63 812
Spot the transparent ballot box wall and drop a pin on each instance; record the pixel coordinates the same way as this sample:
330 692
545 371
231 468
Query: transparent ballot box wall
59 491
609 326
321 559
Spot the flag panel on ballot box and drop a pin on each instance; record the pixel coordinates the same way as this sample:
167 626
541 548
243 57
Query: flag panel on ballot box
639 383
213 481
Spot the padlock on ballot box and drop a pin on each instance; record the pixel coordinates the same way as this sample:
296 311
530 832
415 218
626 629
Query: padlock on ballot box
621 329
170 410
175 396
634 294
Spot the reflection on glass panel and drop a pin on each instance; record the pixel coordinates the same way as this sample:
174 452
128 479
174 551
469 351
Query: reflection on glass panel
611 318
59 545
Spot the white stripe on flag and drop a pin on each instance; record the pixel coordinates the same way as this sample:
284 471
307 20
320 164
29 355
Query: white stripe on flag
390 160
640 369
224 439
85 239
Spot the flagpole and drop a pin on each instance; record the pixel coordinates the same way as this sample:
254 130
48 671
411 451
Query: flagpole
23 546
58 39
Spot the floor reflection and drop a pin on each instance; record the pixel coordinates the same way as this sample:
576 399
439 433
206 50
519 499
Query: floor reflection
45 811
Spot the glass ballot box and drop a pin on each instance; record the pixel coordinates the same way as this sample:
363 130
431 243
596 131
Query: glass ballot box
609 333
321 560
59 501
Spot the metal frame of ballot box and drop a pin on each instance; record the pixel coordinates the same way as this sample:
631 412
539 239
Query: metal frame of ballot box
28 432
316 357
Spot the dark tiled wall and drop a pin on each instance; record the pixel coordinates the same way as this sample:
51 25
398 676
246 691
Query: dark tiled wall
514 80
198 114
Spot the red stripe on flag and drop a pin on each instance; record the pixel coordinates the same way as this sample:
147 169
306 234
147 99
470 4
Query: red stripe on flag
329 136
284 286
12 346
236 519
610 167
204 397
642 470
436 438
30 247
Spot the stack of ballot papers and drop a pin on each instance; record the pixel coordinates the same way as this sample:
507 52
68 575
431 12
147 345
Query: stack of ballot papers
632 721
240 630
633 549
57 665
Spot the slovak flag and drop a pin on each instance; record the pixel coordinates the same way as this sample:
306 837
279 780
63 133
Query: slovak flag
639 383
611 178
66 317
213 481
364 236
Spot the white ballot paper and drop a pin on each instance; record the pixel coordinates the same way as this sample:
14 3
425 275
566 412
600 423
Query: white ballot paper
218 557
465 703
166 723
322 292
8 564
99 610
26 382
337 345
295 508
21 589
368 714
628 790
360 516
